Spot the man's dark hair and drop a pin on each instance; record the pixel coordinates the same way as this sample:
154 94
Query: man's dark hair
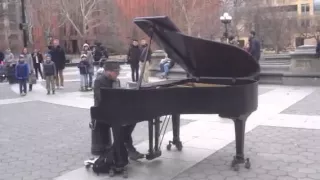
253 33
134 40
231 38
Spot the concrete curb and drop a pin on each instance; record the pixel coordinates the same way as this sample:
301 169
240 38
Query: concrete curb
73 64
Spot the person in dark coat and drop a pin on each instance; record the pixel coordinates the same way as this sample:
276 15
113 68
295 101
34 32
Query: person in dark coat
318 49
122 135
145 54
58 56
1 57
133 57
254 46
37 61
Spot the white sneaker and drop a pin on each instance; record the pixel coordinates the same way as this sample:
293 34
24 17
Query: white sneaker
61 87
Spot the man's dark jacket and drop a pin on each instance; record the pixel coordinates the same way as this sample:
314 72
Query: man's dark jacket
144 51
58 56
318 49
101 82
1 56
255 48
134 55
40 58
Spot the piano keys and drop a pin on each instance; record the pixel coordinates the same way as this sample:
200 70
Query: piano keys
222 81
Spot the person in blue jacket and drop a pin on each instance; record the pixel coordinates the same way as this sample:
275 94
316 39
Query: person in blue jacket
22 75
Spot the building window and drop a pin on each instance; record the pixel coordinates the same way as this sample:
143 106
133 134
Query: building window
305 8
316 6
305 23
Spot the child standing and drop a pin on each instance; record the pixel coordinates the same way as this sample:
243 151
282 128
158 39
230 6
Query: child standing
49 71
22 74
84 72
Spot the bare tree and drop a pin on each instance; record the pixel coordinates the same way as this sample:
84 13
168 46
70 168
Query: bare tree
276 27
194 10
308 27
83 15
45 13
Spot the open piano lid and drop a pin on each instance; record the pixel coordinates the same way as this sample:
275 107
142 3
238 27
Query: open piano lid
199 57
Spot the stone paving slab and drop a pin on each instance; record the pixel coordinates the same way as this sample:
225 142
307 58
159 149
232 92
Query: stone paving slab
68 87
6 92
307 106
275 153
263 90
40 140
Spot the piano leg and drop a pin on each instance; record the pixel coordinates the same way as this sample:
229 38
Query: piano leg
156 134
176 133
154 150
239 158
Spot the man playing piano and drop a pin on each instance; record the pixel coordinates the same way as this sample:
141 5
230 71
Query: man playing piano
122 135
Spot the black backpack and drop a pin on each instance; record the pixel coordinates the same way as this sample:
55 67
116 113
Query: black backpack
104 163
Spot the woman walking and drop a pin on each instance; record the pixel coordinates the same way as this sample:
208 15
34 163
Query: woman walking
29 61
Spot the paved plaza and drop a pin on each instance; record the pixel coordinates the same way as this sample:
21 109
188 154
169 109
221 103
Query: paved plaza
47 137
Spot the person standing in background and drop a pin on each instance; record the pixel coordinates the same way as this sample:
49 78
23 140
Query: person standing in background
86 50
254 46
22 73
58 56
8 58
133 57
29 61
49 70
145 55
1 57
37 61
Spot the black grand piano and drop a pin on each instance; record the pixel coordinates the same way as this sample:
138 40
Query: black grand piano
222 81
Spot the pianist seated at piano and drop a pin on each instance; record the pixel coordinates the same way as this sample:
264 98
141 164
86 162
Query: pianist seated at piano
122 139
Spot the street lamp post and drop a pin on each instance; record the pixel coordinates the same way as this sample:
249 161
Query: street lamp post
226 19
23 25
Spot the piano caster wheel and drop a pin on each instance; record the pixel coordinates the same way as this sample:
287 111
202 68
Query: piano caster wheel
88 166
125 174
179 145
247 164
169 147
111 173
153 155
234 162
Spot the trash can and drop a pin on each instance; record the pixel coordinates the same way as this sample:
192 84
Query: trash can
100 137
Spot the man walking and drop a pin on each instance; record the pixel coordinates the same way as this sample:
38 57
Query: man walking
58 56
254 46
145 55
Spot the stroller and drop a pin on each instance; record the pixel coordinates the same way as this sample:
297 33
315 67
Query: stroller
3 73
